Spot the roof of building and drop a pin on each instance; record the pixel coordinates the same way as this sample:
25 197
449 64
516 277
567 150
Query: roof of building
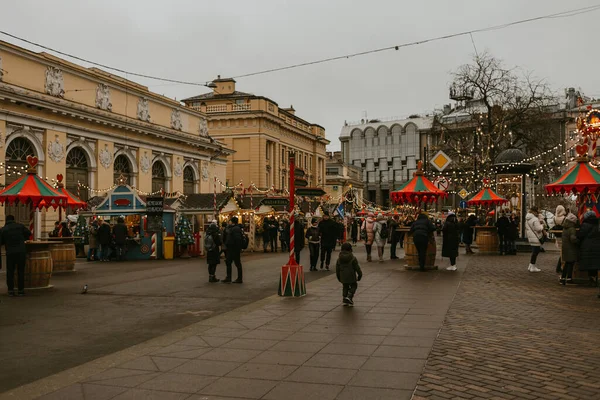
421 123
212 95
204 201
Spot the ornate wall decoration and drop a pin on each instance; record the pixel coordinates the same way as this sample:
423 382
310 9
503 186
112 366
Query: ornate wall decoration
176 120
143 110
105 157
54 82
1 70
178 170
103 97
205 171
56 150
145 163
203 127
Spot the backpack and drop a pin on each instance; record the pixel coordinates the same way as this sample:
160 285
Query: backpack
384 234
209 242
245 240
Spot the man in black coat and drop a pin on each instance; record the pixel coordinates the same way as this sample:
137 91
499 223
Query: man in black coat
104 239
13 236
120 232
589 246
273 232
234 243
503 225
422 230
394 236
329 232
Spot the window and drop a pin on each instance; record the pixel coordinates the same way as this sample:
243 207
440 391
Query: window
16 156
122 166
283 156
158 176
77 171
188 180
268 150
19 149
332 171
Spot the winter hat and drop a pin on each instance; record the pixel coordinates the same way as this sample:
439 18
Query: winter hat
589 214
234 220
450 213
347 247
213 222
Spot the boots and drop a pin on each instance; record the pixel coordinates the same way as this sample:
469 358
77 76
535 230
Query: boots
533 268
213 279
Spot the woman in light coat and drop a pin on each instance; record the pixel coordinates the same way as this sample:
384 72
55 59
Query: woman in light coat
559 219
535 233
380 241
368 227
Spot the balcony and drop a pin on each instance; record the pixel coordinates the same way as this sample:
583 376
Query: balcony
216 108
241 107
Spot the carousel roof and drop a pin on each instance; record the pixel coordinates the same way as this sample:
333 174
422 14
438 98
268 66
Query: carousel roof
487 197
581 177
418 189
31 189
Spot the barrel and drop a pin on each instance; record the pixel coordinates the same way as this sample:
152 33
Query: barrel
63 257
487 240
38 269
411 255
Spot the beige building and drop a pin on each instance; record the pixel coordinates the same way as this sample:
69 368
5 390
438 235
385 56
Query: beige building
342 177
91 127
261 134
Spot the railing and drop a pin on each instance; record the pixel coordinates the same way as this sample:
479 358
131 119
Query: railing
216 108
241 107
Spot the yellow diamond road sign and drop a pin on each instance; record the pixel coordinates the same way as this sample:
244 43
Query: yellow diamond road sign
463 193
440 161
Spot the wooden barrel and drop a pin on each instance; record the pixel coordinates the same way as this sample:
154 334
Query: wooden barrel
487 240
411 255
63 257
38 269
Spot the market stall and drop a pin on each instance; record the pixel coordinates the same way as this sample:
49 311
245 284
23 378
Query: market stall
419 191
487 235
146 228
33 192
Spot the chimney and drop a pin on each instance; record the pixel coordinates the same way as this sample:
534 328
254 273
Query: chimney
224 86
291 110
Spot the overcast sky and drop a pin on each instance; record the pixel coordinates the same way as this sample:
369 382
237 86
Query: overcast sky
194 40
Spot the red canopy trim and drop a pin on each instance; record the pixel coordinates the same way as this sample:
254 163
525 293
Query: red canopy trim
486 197
582 177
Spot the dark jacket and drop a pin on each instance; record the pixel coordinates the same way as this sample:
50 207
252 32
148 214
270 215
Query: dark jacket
120 232
312 234
589 250
298 235
570 243
103 236
502 224
13 237
347 269
451 238
266 235
213 256
329 232
234 238
469 229
512 232
354 230
393 226
422 227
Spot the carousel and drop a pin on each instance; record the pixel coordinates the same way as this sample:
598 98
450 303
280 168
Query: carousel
419 191
487 236
33 192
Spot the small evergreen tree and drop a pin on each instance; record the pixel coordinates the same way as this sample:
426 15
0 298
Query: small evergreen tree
183 233
82 231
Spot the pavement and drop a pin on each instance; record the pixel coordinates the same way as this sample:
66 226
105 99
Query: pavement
490 330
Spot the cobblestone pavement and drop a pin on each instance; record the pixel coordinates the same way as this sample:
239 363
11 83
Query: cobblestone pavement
510 334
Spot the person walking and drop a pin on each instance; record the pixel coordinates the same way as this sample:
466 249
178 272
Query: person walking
502 227
369 235
104 239
93 242
212 246
394 236
422 230
273 232
512 233
450 240
298 238
314 242
235 238
225 225
348 273
13 236
354 232
569 248
559 218
535 236
589 249
266 236
381 235
120 234
328 230
468 233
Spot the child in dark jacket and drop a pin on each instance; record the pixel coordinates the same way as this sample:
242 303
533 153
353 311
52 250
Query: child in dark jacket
348 273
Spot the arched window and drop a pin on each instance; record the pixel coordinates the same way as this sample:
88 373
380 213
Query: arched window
16 163
122 166
188 180
77 171
159 179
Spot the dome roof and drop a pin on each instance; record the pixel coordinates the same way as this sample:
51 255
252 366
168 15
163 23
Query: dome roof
513 156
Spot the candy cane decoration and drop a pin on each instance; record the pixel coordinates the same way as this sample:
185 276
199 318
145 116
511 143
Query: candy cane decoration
215 198
292 247
153 254
31 222
251 205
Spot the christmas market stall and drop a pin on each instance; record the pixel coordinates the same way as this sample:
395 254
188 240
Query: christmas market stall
33 192
419 191
487 236
149 221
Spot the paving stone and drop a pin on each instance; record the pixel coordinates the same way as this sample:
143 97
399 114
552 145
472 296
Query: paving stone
381 379
303 391
394 364
122 377
206 367
336 361
182 383
360 339
153 363
361 393
263 333
226 354
349 349
251 344
402 352
332 376
282 357
312 337
87 391
178 351
143 394
262 371
300 347
239 387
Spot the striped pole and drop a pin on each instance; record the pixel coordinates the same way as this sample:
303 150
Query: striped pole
215 198
31 221
251 204
153 253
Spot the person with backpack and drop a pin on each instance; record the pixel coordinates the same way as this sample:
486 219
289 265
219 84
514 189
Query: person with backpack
314 243
212 246
235 244
381 231
348 273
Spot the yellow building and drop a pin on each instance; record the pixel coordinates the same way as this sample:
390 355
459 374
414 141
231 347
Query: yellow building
261 134
91 127
342 179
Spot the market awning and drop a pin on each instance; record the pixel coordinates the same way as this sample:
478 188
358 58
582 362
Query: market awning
582 177
418 190
486 197
31 189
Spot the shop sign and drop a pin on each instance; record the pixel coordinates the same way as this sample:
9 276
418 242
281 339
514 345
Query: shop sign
299 182
310 192
274 201
154 223
122 202
155 206
299 173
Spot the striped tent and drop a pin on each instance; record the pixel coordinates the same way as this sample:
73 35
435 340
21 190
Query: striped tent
487 198
581 178
418 190
31 189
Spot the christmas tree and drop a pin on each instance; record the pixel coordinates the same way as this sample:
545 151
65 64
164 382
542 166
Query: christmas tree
82 231
183 234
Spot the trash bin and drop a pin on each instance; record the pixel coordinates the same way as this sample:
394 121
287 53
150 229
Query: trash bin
168 247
